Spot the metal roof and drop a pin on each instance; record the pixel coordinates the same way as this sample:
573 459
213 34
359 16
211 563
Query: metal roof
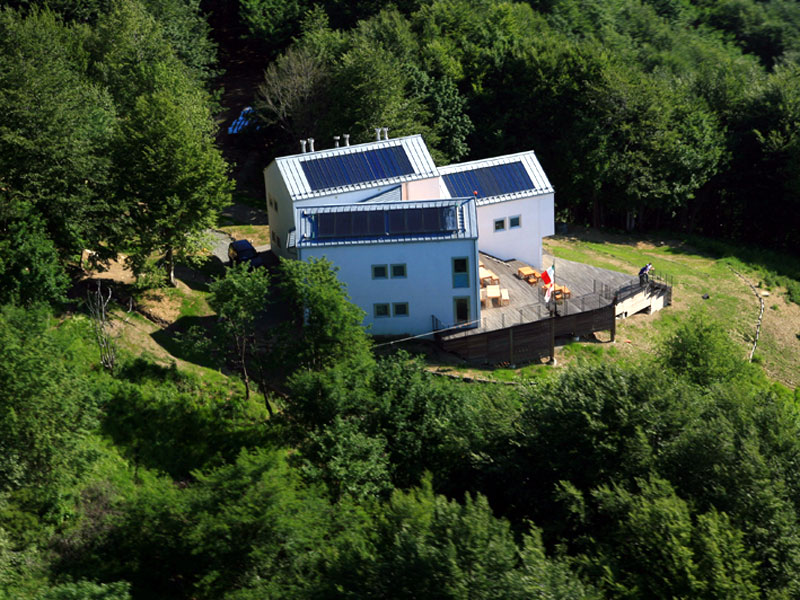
386 222
392 195
496 179
356 167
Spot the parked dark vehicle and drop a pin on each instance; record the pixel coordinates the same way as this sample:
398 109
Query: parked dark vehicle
240 251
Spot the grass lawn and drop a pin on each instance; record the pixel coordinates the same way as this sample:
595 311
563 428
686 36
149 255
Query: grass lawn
696 273
258 235
698 268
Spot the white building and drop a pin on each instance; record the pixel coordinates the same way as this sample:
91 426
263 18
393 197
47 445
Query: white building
405 263
507 212
515 203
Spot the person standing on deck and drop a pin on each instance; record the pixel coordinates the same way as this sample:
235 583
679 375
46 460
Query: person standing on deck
644 278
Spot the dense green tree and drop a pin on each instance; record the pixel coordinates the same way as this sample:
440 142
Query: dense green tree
347 460
271 20
294 93
654 549
56 131
702 351
45 407
239 298
174 182
323 327
188 32
30 269
427 545
87 590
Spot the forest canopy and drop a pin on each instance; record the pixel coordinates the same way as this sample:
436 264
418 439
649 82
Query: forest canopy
649 114
319 465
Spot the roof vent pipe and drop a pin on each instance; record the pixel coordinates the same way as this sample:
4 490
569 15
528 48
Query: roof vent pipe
346 137
310 144
303 146
386 133
377 134
336 141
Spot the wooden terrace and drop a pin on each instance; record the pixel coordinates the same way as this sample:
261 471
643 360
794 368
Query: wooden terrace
590 287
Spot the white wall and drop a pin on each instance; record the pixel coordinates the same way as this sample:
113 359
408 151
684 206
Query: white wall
422 189
428 288
282 219
537 220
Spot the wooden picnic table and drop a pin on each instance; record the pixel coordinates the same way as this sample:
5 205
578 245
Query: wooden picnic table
487 277
493 292
528 274
561 291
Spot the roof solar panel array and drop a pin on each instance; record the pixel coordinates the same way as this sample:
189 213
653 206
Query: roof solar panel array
495 180
393 222
359 167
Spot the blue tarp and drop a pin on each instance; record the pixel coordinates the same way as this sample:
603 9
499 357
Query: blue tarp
245 119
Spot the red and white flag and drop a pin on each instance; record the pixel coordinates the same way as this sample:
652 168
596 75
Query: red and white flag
549 290
548 276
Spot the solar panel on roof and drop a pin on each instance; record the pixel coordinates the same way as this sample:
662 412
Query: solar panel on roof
489 181
359 167
377 223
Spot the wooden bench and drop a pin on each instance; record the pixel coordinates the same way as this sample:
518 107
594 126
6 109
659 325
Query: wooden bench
504 299
493 293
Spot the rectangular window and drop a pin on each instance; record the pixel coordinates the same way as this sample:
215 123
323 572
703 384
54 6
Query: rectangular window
380 310
499 224
398 271
514 222
400 309
461 310
380 272
460 272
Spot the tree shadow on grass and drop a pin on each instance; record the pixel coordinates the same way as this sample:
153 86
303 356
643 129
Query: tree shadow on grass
193 339
177 429
199 276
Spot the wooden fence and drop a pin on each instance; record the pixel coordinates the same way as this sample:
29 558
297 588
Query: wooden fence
529 341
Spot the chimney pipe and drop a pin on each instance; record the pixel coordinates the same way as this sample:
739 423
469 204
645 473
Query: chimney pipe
303 146
336 141
346 137
386 133
377 134
310 144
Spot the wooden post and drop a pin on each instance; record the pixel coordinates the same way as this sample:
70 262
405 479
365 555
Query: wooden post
552 336
614 319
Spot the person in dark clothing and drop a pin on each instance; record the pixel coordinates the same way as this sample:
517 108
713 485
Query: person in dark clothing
644 278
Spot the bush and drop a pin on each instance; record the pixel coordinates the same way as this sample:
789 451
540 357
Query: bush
701 351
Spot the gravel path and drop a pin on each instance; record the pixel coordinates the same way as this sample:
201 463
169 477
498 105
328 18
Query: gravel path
219 244
240 213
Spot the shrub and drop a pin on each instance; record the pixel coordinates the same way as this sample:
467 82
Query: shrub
701 351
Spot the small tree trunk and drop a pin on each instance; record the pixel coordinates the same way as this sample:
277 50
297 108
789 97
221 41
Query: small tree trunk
261 378
242 343
170 258
597 211
97 305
